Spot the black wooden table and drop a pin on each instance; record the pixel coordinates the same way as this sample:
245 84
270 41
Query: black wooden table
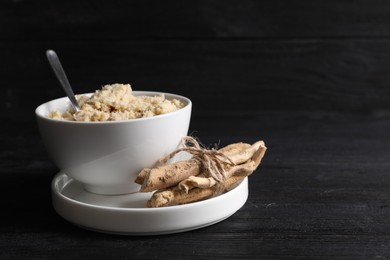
322 191
310 78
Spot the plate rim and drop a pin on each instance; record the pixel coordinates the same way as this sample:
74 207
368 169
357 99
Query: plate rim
63 204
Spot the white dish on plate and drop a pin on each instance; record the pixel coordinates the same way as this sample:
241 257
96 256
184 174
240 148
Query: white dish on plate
128 214
105 155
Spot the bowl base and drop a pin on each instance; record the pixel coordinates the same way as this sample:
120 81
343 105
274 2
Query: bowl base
112 190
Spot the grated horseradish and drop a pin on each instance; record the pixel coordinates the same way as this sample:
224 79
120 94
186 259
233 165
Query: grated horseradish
116 102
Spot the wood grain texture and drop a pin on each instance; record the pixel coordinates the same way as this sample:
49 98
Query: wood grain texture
350 75
118 20
321 192
311 78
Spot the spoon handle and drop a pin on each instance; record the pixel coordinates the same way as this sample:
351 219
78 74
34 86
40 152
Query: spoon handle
61 76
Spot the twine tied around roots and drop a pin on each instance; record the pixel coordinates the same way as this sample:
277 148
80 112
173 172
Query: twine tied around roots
213 163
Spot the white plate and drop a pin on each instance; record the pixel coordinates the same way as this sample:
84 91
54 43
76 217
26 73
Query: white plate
128 214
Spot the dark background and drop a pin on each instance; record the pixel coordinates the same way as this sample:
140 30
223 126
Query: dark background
310 77
225 55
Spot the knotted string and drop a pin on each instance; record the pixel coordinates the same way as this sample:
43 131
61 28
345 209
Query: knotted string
213 163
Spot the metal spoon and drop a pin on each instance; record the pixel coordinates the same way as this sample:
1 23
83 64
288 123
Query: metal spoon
61 76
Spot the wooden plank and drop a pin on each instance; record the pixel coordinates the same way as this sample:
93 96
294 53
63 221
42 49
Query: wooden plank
321 74
321 192
123 19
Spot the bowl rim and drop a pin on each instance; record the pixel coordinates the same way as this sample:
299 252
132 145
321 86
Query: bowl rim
188 105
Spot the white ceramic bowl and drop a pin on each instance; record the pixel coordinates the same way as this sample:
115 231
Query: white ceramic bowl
107 156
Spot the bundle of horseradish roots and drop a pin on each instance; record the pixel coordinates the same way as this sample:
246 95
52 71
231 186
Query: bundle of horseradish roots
208 173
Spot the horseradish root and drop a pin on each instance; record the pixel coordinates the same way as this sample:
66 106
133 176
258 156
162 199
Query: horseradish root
245 169
174 196
196 182
208 173
167 175
203 160
241 152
